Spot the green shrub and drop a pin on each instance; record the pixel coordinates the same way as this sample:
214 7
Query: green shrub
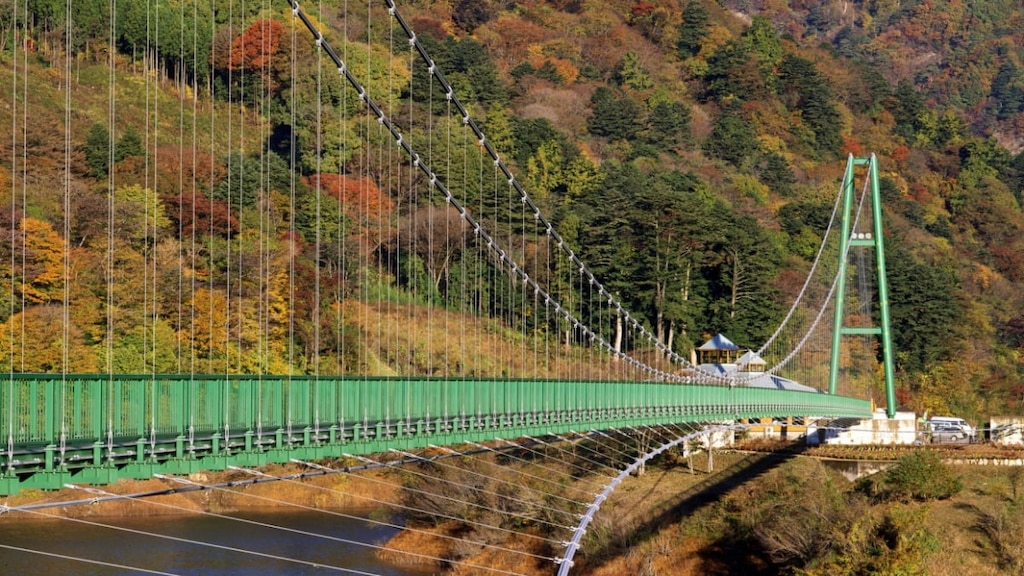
920 475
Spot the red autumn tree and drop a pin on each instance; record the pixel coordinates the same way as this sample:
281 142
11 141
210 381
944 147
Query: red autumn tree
253 49
201 214
361 200
180 169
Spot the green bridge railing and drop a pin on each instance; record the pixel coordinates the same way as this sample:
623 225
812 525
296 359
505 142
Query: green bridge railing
95 429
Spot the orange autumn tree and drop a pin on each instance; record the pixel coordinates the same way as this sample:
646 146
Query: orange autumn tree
43 272
179 169
40 337
254 48
362 202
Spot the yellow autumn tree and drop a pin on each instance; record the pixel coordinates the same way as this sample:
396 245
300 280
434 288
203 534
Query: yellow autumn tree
208 329
41 339
42 278
138 214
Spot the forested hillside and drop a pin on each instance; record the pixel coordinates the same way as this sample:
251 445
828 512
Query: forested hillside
689 151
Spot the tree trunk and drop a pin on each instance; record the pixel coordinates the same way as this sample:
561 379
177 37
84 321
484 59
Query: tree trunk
643 442
684 293
618 336
659 308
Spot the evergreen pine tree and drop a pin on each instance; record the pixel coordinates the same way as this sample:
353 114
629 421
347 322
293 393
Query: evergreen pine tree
97 150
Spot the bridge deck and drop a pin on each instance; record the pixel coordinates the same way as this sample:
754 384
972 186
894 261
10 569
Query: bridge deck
99 428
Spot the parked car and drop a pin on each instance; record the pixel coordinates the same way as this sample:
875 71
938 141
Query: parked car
950 429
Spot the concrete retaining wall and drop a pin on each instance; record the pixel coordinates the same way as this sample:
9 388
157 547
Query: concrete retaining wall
877 430
1007 430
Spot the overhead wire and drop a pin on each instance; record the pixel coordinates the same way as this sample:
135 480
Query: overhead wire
12 306
337 514
522 473
476 489
317 248
510 454
232 166
182 92
66 260
407 508
573 455
437 462
566 562
111 158
835 282
24 192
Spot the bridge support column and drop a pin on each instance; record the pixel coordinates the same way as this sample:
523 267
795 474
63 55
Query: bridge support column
97 453
49 455
849 238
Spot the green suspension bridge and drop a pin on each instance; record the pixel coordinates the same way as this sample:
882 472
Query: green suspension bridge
66 427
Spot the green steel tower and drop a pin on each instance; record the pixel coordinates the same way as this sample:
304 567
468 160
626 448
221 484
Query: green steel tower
874 239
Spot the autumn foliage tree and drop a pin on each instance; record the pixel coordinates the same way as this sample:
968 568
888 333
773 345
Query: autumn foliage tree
361 201
185 167
253 49
200 215
47 345
43 271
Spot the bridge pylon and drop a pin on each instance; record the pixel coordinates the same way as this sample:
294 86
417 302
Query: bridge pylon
874 239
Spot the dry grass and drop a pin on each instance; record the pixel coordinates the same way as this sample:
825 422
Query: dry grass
403 339
625 519
687 547
964 548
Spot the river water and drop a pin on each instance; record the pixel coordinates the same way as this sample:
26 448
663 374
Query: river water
144 552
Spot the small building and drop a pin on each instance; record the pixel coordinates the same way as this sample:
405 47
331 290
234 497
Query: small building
718 350
751 362
722 357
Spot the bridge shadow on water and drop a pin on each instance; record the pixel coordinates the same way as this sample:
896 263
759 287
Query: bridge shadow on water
735 552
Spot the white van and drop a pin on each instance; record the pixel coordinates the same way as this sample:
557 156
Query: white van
950 425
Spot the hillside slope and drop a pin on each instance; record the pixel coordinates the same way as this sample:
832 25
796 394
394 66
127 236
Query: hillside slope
671 143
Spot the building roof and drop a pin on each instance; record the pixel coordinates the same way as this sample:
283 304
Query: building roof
761 380
751 357
719 342
778 383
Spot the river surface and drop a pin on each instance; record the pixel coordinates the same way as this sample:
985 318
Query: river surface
140 552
